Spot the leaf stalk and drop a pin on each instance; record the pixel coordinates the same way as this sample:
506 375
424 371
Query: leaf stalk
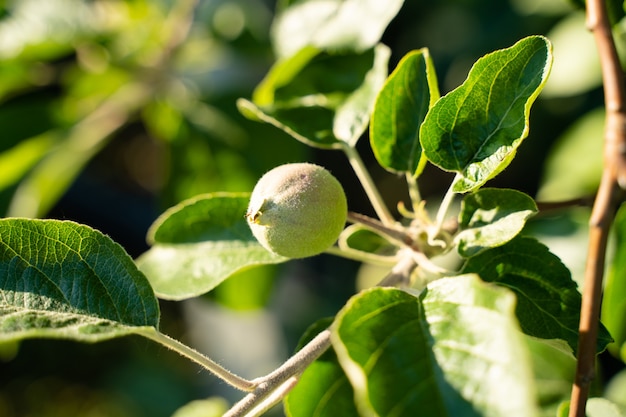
368 184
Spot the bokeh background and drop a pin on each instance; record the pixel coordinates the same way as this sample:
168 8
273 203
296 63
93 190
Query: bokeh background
112 111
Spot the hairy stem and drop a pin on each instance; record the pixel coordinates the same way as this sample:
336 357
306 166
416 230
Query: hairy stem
294 366
368 185
204 361
605 205
273 387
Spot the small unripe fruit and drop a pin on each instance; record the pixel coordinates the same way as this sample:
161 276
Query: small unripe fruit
297 210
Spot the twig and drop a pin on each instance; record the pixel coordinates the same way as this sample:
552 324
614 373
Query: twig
294 366
605 205
547 207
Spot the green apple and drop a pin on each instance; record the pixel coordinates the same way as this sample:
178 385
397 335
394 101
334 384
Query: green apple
297 210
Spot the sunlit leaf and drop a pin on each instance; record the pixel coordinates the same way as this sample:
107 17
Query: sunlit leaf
60 279
491 217
45 30
476 129
615 390
576 67
282 73
454 350
548 301
320 99
332 24
399 112
199 243
601 407
353 115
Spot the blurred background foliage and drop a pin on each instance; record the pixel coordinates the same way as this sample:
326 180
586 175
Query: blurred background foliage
113 110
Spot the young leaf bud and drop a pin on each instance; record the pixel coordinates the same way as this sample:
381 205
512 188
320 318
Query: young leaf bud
297 210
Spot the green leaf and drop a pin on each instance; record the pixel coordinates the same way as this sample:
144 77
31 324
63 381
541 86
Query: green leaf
596 407
615 390
369 246
454 350
321 99
49 180
572 147
614 299
363 239
400 109
323 390
554 368
199 243
354 25
476 129
353 115
491 217
16 161
210 407
600 407
59 279
282 73
548 301
577 68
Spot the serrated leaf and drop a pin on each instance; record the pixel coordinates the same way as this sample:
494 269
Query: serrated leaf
199 243
400 109
614 299
321 99
476 129
59 279
323 390
491 217
548 301
332 25
454 350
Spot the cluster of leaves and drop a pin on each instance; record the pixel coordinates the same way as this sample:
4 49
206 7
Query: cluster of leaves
463 341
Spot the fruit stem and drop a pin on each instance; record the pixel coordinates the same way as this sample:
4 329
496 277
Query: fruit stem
368 184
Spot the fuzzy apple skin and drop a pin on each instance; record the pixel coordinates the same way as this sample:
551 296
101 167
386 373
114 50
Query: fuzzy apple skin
297 210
